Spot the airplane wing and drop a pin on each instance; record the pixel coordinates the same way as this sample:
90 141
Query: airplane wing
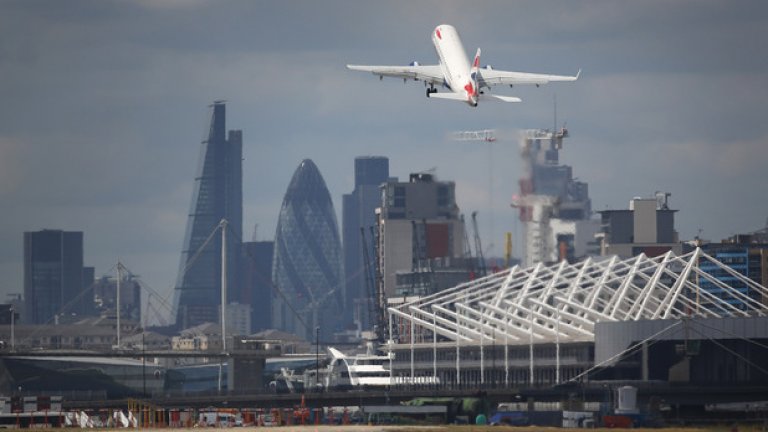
491 77
429 73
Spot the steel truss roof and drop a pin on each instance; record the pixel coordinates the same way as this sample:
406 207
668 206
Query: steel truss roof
562 302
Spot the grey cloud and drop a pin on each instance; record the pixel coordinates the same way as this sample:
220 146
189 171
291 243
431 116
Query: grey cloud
105 106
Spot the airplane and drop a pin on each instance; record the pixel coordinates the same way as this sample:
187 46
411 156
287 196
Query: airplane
464 81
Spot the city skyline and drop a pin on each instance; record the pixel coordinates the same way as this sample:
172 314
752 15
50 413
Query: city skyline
106 106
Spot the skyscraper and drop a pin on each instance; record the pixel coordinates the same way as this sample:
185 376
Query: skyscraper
307 262
53 275
217 195
359 211
257 282
418 224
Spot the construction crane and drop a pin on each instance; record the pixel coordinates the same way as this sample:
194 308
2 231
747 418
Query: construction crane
487 135
420 264
370 285
380 329
481 271
484 136
467 249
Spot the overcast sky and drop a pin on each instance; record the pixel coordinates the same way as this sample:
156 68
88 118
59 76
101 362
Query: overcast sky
104 105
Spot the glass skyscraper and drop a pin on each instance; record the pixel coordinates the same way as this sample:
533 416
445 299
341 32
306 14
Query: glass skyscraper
217 195
257 282
307 262
359 211
53 276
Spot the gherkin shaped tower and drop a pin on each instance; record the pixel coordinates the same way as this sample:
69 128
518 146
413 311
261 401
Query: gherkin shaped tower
307 259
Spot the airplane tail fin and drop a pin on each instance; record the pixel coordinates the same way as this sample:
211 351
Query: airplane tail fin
473 92
475 68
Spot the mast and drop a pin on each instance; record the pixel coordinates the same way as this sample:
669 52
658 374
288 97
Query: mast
119 276
223 226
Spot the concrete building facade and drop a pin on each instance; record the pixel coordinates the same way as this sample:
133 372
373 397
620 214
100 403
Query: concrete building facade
417 221
648 227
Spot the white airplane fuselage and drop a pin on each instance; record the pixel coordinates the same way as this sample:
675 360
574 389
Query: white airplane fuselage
463 79
454 62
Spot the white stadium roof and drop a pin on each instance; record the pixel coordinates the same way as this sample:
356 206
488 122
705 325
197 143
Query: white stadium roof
562 302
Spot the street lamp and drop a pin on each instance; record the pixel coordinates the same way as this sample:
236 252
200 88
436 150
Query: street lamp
143 363
317 356
13 333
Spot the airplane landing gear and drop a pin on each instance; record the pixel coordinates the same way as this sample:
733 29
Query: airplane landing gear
431 90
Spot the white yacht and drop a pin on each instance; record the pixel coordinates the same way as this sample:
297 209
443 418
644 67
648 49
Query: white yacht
365 370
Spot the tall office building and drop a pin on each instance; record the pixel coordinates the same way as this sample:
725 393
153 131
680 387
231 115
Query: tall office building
306 270
359 212
257 282
217 195
53 276
418 224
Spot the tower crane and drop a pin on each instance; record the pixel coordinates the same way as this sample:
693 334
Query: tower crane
370 285
471 265
487 135
481 271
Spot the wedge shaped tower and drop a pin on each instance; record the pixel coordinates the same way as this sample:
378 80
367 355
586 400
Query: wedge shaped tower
307 262
217 195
